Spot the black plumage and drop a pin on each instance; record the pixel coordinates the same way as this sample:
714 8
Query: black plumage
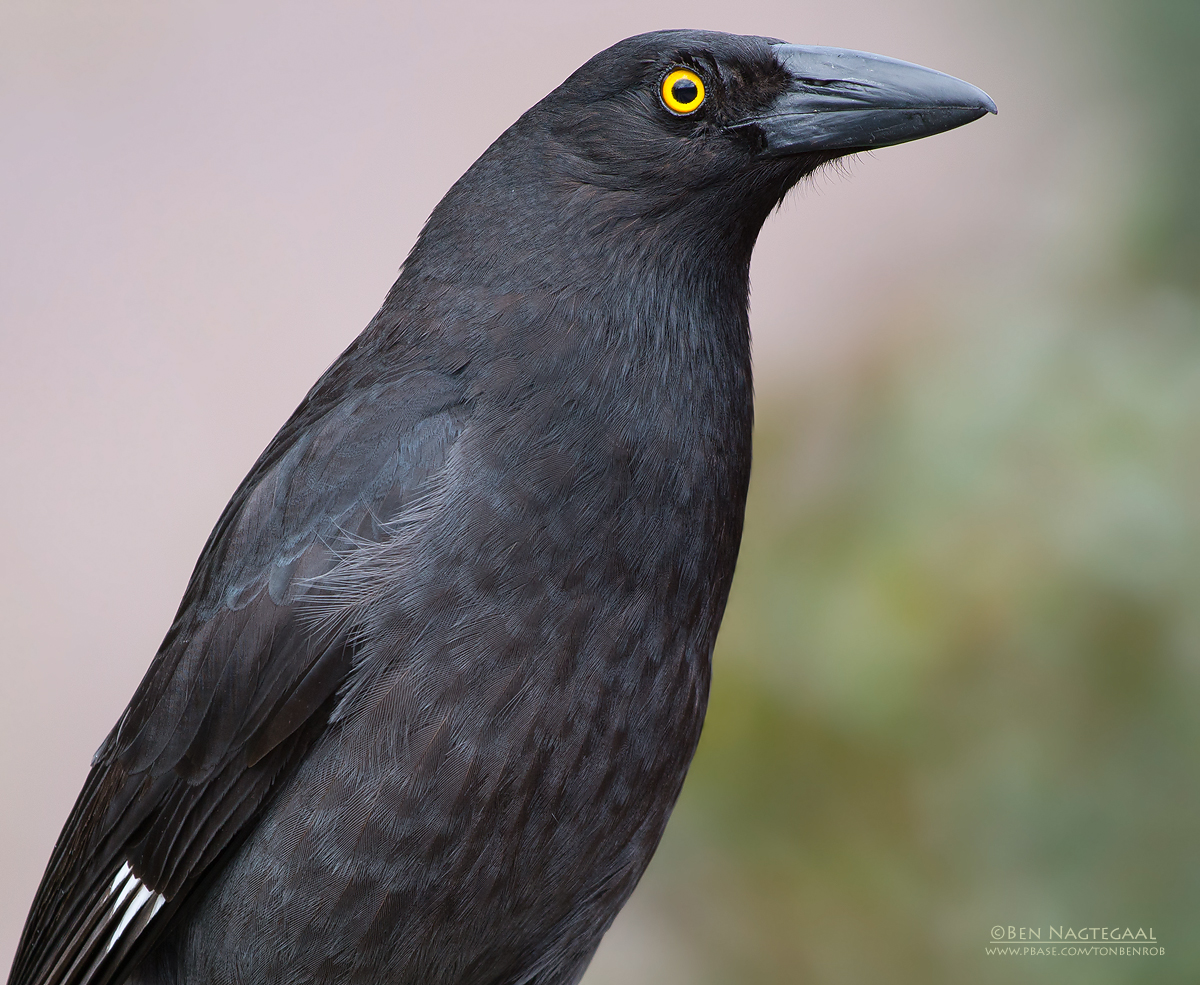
439 672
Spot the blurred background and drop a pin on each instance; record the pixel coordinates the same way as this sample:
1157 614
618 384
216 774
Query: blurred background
957 684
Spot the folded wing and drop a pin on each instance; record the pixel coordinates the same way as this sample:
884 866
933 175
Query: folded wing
246 677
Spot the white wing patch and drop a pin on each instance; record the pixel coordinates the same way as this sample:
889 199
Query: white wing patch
104 936
124 886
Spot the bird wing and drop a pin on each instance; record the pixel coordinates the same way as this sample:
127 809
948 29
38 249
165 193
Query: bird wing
244 680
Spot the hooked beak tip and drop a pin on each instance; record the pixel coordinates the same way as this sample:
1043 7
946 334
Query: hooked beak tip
847 101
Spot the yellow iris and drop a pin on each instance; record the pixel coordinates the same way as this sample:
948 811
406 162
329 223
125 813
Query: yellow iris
682 91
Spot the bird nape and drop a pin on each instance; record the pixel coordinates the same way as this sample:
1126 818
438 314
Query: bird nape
440 669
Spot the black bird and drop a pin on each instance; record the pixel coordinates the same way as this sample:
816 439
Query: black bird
438 674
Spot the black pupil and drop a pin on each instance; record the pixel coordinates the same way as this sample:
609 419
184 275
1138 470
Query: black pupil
685 91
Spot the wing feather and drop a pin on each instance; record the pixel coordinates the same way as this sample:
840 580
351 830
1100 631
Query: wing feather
244 681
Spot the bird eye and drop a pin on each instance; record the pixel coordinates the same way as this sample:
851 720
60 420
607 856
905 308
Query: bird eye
682 91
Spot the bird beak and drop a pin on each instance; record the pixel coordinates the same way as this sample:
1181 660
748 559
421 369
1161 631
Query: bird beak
842 100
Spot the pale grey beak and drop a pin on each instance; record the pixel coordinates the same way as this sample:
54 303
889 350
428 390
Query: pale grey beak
843 100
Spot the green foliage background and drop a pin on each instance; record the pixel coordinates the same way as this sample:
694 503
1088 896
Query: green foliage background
958 680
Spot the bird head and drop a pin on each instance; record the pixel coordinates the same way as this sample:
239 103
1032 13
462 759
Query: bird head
732 122
674 146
